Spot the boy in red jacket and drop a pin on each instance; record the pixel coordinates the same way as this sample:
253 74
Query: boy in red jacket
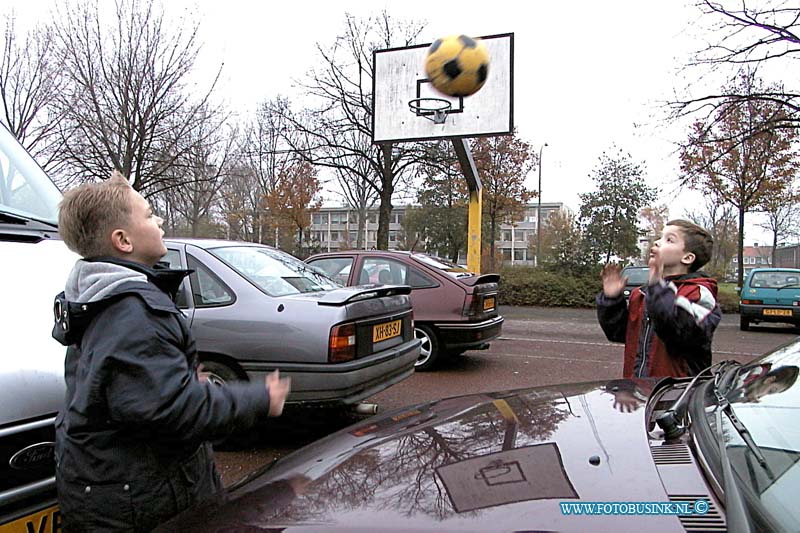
668 325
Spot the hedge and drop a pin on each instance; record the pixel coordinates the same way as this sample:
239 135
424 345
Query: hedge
530 286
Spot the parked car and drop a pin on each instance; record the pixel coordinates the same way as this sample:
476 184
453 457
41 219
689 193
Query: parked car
636 277
454 309
770 295
714 453
254 309
34 265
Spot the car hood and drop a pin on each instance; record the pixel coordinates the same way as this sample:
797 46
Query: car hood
32 362
482 462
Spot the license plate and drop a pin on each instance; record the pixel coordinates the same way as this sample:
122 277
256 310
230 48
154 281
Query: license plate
777 312
46 520
381 332
488 304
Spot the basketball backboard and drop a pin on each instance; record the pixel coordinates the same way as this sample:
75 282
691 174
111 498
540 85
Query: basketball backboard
399 78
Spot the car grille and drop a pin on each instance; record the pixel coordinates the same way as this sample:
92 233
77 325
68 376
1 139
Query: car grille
26 454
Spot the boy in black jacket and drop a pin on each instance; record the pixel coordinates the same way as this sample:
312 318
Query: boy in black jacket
132 438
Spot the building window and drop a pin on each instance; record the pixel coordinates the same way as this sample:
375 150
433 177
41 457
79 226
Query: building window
353 237
320 218
506 235
338 218
334 236
519 254
353 218
392 236
373 218
506 254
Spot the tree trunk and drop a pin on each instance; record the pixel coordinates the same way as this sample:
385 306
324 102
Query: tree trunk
362 222
774 247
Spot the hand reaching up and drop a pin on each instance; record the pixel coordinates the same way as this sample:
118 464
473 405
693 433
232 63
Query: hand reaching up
612 282
278 389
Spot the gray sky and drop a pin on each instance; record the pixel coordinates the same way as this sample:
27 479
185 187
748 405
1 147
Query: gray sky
588 75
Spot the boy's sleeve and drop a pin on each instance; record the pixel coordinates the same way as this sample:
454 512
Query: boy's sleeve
683 320
612 313
145 381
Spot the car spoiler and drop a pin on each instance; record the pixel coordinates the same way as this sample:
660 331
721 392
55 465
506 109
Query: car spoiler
484 278
345 295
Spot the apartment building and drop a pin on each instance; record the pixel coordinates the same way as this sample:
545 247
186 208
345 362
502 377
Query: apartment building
336 228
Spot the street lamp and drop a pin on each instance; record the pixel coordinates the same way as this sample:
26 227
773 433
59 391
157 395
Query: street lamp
539 212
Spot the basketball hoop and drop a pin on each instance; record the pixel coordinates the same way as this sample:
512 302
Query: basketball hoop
434 109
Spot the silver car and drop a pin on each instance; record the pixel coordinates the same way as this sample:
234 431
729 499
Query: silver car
254 309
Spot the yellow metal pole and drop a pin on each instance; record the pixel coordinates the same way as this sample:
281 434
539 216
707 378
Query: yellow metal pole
474 237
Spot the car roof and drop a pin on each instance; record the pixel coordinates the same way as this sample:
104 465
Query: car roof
370 252
775 269
208 244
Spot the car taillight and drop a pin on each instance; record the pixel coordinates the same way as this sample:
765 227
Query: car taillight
471 306
752 302
342 345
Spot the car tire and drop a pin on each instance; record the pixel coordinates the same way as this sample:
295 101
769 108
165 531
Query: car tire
219 373
428 350
744 324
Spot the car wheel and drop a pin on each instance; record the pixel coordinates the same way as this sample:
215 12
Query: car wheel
428 350
744 324
219 373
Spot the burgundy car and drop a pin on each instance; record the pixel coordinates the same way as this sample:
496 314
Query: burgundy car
720 452
454 309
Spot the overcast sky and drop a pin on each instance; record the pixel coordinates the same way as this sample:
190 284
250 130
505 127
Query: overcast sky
588 75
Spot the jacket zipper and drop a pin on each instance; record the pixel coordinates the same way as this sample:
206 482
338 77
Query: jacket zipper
643 346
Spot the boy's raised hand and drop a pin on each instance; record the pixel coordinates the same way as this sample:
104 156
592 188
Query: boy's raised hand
278 389
656 268
612 282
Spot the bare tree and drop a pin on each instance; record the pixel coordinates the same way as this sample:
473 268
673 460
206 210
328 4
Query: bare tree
748 37
719 218
128 100
29 82
338 131
190 194
783 216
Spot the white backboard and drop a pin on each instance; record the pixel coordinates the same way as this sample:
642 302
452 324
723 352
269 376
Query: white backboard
399 77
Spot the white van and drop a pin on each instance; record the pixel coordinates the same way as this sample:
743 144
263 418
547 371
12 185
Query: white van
34 264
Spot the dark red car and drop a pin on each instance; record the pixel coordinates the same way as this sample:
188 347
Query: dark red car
454 309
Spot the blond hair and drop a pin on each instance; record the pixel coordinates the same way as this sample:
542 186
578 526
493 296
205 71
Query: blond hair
89 212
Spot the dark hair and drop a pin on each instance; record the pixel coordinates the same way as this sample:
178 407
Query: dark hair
697 241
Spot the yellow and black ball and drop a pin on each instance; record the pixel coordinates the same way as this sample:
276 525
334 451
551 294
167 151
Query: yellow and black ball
457 65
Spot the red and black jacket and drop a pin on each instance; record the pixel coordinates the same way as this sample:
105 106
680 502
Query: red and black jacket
667 327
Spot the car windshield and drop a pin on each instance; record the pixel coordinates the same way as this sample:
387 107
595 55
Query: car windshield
444 265
636 276
26 193
765 397
775 279
275 272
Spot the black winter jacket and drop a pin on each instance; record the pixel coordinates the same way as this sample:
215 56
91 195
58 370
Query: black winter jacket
131 439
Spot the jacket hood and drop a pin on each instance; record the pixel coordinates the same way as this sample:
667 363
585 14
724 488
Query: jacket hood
93 284
699 278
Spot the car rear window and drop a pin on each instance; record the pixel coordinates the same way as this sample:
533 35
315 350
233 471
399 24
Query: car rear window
444 265
276 273
636 276
775 279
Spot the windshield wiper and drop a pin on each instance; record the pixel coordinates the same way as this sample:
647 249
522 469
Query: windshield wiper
12 218
724 406
668 420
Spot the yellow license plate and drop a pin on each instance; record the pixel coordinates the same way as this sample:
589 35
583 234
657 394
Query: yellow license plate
47 520
777 312
381 332
488 304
